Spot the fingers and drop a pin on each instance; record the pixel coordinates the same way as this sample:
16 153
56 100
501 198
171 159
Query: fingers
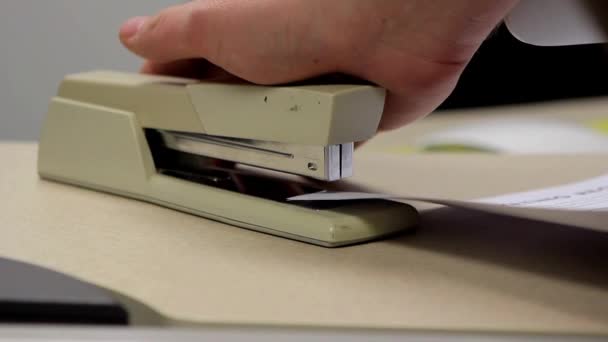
262 41
167 36
415 86
410 47
400 110
406 104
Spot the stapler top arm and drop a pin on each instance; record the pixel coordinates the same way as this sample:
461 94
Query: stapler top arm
306 129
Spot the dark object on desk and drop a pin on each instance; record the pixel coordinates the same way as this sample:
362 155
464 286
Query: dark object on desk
31 294
507 71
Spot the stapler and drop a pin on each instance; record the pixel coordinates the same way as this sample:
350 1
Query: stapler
225 151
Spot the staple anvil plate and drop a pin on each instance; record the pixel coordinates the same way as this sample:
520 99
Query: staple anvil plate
161 140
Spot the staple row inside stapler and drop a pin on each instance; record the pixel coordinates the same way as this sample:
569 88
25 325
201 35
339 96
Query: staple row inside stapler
327 163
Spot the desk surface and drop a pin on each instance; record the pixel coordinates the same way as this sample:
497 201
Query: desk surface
461 271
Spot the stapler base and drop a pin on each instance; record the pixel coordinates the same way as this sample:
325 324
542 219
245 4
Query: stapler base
106 149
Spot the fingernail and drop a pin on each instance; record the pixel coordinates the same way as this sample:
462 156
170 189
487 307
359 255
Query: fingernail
132 26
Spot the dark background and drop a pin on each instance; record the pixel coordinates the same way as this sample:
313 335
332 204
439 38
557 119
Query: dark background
507 71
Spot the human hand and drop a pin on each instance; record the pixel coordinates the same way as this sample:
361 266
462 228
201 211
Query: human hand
416 49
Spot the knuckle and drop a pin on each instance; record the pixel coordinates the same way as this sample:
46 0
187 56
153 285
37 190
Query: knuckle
157 23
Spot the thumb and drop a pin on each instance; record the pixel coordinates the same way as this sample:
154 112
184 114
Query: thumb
167 36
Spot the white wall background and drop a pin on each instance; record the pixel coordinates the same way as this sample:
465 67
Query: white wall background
41 41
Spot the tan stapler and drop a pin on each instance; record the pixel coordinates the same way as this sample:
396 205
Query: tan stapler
197 147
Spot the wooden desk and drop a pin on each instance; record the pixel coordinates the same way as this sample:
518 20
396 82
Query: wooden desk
461 271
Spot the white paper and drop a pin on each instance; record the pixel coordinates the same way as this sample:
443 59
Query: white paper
583 204
587 195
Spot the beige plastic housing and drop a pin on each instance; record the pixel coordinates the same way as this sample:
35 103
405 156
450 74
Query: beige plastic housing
307 115
94 137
